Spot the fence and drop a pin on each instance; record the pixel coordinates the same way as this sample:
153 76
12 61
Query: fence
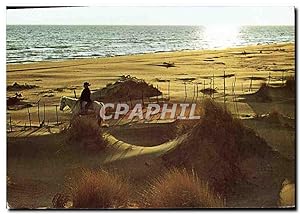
190 91
40 115
192 88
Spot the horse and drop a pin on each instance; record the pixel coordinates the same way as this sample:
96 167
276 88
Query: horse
75 106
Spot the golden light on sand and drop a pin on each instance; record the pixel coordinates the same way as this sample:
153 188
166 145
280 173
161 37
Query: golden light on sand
146 147
221 36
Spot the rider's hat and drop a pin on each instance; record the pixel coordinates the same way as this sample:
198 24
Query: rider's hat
86 83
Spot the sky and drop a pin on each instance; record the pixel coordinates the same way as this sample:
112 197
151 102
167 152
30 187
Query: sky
152 16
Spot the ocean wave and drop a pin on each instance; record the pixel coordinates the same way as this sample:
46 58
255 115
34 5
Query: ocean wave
13 48
108 41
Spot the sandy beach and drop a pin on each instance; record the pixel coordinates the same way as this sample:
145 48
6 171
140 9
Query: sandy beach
243 62
41 168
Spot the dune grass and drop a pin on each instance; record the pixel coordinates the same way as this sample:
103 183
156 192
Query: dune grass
85 132
180 189
99 189
61 200
183 126
215 147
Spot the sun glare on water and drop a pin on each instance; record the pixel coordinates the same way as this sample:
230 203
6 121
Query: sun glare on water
221 36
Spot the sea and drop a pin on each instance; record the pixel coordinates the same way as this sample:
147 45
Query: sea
33 43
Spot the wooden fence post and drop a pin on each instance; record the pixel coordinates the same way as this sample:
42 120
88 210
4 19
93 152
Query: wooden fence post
233 85
224 89
29 118
242 88
38 112
194 92
213 92
10 122
234 96
44 120
203 88
169 89
157 94
210 83
56 114
250 87
185 93
197 91
75 93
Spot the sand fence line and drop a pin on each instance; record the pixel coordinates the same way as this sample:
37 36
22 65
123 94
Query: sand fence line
191 87
40 120
166 96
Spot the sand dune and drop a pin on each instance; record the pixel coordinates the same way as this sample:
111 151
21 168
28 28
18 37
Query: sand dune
248 166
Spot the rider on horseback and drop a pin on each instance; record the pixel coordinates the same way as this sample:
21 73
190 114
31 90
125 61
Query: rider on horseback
85 98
